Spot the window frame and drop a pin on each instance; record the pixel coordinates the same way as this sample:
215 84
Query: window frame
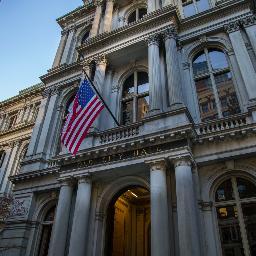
136 10
134 97
210 73
195 6
2 157
237 202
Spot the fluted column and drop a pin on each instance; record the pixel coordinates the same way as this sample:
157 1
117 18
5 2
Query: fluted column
63 40
172 65
79 233
160 238
154 74
97 17
244 61
249 24
108 16
189 241
60 227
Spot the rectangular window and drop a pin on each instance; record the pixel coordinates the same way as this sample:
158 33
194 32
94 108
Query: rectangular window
192 7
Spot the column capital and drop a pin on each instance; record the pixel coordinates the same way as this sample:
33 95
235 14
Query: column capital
170 33
157 164
182 161
66 181
248 21
153 39
98 3
84 179
232 27
101 60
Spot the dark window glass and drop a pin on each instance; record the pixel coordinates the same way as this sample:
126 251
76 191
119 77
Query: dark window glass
249 212
129 88
218 59
132 17
127 112
85 37
200 64
143 107
12 121
227 94
143 85
224 192
142 12
245 188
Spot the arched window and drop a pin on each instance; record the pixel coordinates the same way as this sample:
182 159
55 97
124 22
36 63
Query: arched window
2 156
192 7
214 85
135 98
85 37
47 224
235 201
136 15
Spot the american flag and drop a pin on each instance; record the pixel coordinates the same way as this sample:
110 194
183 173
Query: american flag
82 112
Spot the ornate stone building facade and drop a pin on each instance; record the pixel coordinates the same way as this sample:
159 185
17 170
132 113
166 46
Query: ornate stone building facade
178 177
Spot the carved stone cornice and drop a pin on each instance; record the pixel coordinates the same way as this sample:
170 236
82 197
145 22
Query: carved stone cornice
232 27
248 21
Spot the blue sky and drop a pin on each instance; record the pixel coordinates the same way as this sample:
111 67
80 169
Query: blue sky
29 38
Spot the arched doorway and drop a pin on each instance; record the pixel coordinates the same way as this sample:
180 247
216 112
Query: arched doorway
128 223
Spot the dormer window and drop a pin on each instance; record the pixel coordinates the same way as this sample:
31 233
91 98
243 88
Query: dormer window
136 15
192 7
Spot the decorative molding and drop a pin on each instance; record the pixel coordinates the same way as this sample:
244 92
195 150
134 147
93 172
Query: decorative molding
158 164
153 39
170 33
232 26
183 161
248 21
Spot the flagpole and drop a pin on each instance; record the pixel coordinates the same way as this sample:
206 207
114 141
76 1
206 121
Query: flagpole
110 112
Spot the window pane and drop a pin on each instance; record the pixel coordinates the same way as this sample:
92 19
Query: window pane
245 188
200 65
202 5
128 88
218 59
249 212
143 107
227 94
229 231
206 99
224 192
143 85
127 112
132 17
188 8
142 12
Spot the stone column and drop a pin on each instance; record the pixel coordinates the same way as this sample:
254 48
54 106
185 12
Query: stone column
244 61
68 45
154 74
60 227
79 233
97 17
48 120
189 239
108 16
39 121
173 71
63 40
160 238
99 81
249 24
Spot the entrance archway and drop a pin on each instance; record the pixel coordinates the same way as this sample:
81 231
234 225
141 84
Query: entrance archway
128 223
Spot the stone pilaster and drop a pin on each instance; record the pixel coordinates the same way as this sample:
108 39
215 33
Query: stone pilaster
108 15
160 237
97 17
244 61
173 71
249 24
79 233
63 40
189 239
60 227
154 74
